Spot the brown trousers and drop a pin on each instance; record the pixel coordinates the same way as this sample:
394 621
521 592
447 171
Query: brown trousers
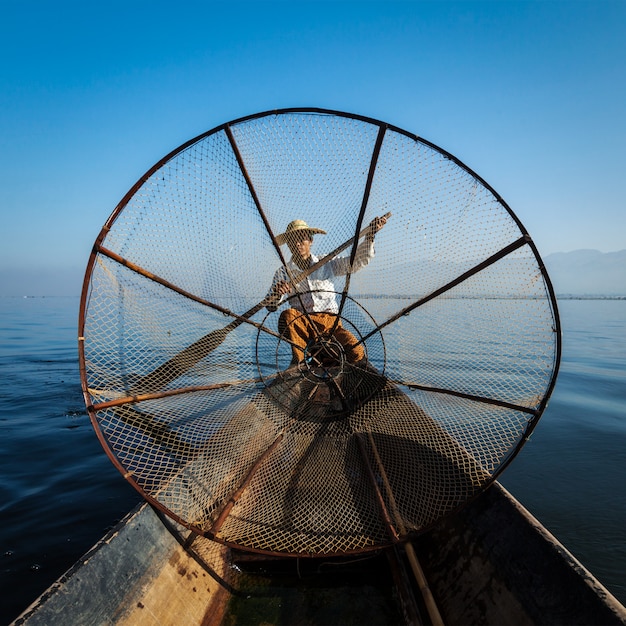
300 329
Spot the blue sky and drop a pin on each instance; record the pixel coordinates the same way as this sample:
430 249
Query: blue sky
530 95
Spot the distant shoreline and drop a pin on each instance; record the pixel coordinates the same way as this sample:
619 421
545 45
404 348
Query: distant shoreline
559 296
571 296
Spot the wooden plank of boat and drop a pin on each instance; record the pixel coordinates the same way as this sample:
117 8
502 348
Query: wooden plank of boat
138 573
494 563
491 563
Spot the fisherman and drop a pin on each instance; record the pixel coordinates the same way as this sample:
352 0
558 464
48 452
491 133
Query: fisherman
312 311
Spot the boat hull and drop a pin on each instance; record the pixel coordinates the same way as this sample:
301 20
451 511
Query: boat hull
491 563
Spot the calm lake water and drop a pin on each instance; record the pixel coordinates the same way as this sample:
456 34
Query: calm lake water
59 493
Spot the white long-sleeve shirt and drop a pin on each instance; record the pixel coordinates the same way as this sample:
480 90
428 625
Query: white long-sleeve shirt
318 289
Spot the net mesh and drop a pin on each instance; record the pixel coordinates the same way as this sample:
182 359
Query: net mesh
191 382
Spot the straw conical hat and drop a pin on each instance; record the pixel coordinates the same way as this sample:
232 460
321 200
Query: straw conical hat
295 226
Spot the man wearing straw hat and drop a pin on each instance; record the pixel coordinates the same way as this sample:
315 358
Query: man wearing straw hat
313 309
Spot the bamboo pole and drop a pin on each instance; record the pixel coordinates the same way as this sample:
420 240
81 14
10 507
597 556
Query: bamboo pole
418 573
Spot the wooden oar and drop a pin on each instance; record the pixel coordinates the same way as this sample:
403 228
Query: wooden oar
187 358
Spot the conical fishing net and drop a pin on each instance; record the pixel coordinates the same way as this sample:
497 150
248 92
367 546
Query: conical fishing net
329 431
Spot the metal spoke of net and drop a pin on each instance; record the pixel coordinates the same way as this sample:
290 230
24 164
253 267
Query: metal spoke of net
193 385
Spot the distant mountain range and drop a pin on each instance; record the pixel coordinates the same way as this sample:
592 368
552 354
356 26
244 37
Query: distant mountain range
587 272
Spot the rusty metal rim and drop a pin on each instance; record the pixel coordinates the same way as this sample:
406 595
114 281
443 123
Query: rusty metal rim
96 249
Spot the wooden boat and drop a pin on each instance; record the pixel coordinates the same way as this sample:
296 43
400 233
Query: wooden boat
491 563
